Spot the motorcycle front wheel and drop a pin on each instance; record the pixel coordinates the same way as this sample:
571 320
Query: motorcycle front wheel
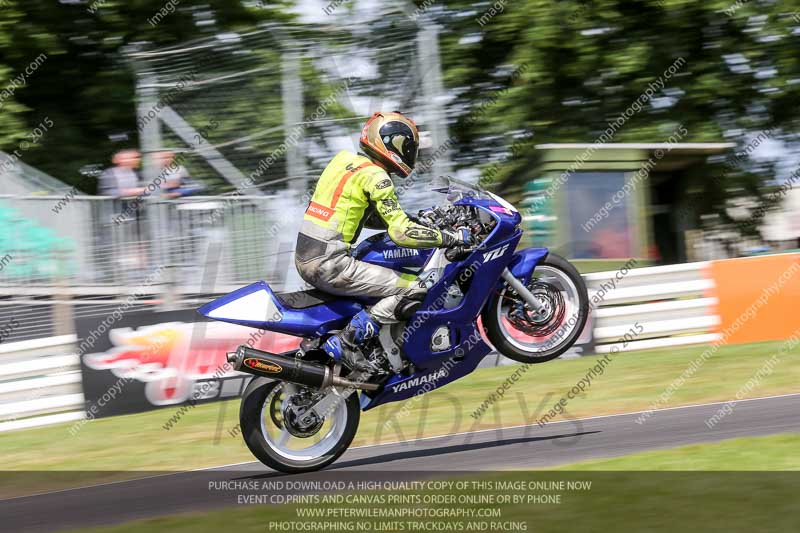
519 333
268 435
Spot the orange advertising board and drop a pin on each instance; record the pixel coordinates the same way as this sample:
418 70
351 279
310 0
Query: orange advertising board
759 297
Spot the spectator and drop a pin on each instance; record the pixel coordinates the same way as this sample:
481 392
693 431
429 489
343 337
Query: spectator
120 246
177 182
122 180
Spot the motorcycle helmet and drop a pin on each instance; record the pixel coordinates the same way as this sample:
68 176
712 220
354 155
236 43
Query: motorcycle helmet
391 140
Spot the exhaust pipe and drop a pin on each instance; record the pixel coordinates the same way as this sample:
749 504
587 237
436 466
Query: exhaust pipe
287 367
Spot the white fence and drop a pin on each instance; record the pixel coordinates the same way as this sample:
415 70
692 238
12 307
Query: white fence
40 381
669 303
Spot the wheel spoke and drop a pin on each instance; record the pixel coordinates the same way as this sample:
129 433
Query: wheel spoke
283 438
283 443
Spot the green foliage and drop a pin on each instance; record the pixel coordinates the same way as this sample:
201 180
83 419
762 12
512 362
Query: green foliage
85 85
589 60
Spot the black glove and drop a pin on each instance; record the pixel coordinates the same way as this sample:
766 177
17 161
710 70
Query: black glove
458 253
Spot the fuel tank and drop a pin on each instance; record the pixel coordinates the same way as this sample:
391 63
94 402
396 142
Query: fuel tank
381 250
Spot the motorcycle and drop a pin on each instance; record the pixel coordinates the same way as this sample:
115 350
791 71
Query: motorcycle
302 409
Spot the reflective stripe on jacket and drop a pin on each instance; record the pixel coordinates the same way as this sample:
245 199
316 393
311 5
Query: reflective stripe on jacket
349 186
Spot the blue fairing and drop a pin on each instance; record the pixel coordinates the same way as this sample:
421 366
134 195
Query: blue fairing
476 277
478 273
525 261
382 251
255 300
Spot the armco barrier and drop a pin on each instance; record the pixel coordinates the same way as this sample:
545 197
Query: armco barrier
677 305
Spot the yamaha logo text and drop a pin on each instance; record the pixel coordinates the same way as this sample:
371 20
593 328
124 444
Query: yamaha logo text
427 378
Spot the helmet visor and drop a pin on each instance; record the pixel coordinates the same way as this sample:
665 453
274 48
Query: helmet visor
400 139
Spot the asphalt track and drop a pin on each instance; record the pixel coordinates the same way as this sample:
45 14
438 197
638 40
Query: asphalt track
523 447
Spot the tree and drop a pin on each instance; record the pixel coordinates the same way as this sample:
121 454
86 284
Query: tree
85 86
587 62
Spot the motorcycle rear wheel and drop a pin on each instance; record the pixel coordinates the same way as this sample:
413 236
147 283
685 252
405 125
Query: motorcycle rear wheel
266 435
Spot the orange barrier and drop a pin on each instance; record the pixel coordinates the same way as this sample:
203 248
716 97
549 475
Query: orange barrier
759 297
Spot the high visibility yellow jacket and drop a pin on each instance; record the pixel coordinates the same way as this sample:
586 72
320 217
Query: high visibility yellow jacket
348 191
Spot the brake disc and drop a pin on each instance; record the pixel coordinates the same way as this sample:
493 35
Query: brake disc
523 318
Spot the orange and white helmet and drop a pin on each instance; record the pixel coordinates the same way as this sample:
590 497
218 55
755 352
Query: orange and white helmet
392 140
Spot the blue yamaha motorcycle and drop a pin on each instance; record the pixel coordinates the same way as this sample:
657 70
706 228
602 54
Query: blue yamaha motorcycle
301 411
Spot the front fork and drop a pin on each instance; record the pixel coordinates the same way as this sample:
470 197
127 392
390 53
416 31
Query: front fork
524 293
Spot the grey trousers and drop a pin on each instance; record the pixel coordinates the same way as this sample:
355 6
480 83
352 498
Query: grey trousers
336 272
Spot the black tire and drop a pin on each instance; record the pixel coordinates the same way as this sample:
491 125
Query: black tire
250 419
494 331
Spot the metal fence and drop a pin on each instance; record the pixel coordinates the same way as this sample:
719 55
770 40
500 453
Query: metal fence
62 260
265 108
97 242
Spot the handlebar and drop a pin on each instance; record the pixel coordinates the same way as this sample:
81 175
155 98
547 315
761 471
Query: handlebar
459 253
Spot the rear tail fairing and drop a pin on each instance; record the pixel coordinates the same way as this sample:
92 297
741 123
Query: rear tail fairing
477 275
257 306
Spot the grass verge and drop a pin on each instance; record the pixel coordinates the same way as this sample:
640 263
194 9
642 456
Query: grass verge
207 435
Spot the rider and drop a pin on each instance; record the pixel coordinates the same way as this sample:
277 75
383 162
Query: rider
352 189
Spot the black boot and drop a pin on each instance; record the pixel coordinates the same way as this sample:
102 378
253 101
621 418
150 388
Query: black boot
345 345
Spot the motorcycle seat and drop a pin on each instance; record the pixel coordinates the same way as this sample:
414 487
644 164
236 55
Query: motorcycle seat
305 299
